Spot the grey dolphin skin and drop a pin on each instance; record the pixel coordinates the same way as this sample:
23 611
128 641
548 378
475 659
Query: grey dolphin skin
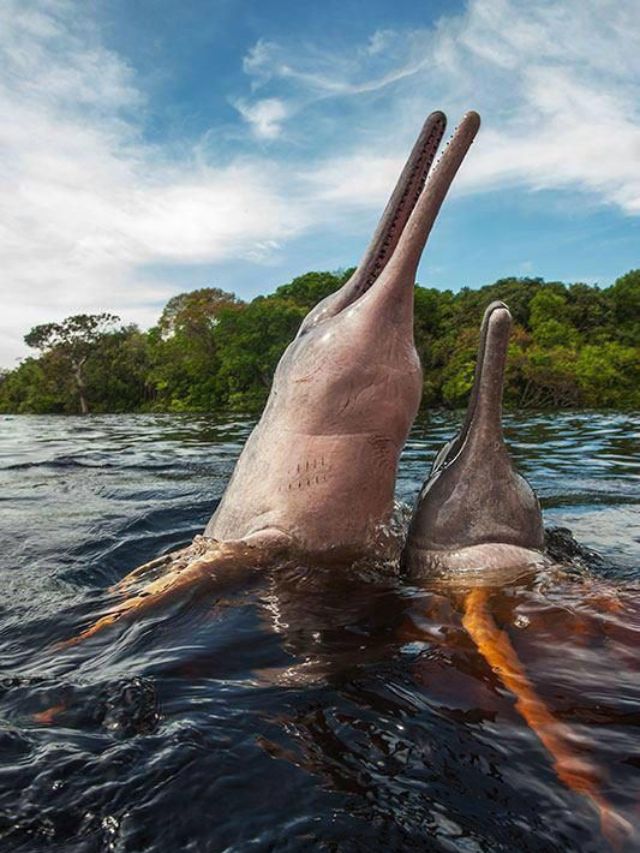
475 512
318 472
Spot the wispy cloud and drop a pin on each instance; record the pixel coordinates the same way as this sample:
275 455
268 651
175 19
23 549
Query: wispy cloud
315 73
265 116
557 83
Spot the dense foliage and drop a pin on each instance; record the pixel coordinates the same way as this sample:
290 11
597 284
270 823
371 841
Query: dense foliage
572 345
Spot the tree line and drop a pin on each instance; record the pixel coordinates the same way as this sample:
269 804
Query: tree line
573 345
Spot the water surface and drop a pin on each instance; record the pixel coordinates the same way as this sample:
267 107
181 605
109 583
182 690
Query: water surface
301 708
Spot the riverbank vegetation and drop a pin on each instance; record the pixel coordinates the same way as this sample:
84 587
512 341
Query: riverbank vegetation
573 345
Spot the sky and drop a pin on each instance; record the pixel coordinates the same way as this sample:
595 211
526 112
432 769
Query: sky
148 147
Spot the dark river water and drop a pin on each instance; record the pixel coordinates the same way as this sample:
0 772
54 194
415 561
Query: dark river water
300 708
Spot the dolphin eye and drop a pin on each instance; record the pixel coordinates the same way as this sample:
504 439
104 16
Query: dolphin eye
306 327
313 320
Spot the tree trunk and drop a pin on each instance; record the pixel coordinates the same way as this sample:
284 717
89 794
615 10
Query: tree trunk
84 404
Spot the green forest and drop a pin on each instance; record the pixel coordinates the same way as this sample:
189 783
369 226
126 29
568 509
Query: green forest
573 345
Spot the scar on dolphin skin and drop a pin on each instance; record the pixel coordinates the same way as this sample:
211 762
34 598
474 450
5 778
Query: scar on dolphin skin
495 647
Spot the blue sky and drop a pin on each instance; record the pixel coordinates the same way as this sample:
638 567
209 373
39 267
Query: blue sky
152 147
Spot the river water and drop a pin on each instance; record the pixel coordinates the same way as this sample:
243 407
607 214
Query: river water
304 709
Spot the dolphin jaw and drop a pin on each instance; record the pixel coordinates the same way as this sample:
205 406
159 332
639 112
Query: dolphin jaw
389 231
386 277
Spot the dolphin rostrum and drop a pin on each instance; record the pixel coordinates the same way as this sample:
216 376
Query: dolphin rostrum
475 511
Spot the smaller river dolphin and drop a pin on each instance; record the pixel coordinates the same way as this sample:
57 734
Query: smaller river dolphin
475 512
477 528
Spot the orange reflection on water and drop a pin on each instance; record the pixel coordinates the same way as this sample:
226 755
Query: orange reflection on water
574 771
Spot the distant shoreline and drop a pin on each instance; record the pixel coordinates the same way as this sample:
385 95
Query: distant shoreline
574 347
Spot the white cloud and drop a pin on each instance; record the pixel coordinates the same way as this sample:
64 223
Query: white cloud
265 116
314 73
558 83
360 180
85 204
258 61
379 41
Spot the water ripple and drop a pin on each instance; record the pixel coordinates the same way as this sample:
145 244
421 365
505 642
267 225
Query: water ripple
301 709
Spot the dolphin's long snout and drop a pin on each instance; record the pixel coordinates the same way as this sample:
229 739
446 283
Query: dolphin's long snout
396 280
391 225
390 263
415 235
484 415
450 450
401 204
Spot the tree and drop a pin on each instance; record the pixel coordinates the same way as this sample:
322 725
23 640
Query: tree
251 343
624 294
589 309
72 342
184 350
549 320
195 313
571 345
308 289
32 388
117 372
608 374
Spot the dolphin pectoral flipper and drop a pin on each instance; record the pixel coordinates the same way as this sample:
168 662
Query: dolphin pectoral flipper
173 562
219 567
154 594
141 571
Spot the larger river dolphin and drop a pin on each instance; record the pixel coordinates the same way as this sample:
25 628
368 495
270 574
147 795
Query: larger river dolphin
319 470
